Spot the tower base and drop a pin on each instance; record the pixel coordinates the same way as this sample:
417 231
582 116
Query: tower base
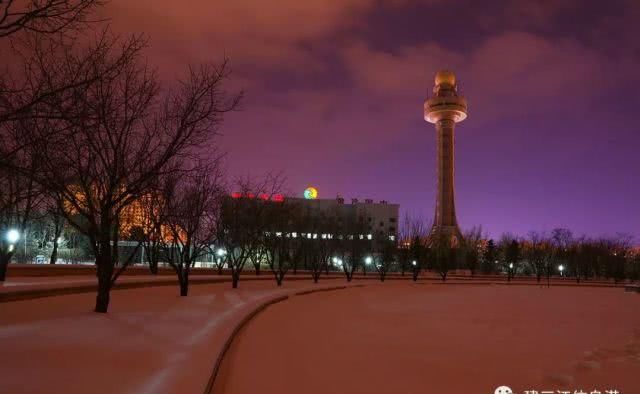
450 233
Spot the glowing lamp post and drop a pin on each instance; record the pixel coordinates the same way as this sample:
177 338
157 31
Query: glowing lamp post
561 269
220 254
13 236
416 270
367 261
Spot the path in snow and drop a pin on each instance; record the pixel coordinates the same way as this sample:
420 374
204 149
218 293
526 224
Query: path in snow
151 341
403 338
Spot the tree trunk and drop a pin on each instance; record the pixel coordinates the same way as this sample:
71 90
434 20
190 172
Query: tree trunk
235 278
105 271
257 268
279 280
316 276
4 263
184 284
219 270
153 266
54 253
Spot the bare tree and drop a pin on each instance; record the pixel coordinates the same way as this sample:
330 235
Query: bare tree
352 245
534 251
510 250
19 196
44 16
489 257
241 225
111 140
152 228
192 200
443 254
385 256
471 246
324 247
412 244
281 239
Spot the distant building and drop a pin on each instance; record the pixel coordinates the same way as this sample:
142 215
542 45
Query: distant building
377 219
381 218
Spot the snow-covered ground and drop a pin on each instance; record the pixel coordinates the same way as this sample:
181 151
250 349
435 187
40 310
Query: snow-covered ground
152 341
423 338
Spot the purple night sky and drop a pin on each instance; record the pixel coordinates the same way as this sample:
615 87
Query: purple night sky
335 89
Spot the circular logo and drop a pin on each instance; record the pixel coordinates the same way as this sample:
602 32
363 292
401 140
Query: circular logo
311 193
503 390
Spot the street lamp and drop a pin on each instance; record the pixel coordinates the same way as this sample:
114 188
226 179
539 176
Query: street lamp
368 260
510 265
561 269
221 252
414 263
13 236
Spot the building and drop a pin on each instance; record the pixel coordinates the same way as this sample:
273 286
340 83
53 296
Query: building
375 219
380 218
444 109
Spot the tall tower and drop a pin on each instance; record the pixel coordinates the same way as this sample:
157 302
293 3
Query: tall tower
445 108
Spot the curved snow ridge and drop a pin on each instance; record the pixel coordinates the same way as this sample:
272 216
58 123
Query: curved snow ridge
13 292
250 316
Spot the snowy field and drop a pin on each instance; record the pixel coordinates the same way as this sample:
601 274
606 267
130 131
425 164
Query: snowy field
425 338
151 341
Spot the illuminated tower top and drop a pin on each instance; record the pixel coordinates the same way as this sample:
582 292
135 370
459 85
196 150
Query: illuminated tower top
445 102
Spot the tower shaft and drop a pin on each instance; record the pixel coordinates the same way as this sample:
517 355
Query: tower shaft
445 214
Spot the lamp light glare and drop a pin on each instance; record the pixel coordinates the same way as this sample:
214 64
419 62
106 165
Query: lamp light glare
13 236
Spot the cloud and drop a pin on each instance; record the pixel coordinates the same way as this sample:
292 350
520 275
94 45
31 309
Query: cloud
511 71
270 34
